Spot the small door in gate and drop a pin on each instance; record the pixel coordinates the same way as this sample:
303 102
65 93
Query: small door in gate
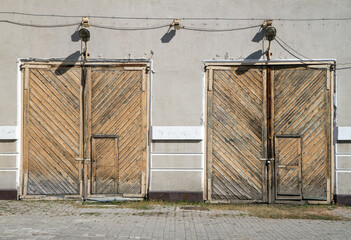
105 175
288 167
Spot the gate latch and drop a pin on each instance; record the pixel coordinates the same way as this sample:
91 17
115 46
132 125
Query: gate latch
82 159
267 159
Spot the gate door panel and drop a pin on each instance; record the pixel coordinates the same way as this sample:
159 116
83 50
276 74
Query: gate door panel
117 103
105 164
302 107
51 130
288 167
236 133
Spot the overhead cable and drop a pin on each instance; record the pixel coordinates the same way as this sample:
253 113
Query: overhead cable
218 30
287 45
288 51
129 29
171 18
41 26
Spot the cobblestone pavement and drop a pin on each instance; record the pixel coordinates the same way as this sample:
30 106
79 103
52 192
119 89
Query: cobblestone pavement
52 220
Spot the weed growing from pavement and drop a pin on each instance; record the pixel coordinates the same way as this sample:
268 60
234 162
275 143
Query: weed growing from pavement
273 211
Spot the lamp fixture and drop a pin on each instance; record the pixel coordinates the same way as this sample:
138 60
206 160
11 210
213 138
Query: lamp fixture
270 33
84 34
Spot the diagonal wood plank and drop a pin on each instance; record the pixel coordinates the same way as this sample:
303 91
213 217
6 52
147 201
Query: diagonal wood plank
53 132
237 128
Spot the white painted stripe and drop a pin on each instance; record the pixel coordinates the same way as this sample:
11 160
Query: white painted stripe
8 133
174 153
167 154
344 133
177 133
175 170
19 121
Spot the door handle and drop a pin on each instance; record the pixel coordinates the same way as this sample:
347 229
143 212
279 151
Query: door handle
281 166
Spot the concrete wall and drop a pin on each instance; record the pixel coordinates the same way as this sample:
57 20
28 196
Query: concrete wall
177 82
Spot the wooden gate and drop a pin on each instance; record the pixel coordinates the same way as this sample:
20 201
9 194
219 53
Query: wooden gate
269 132
236 133
302 106
84 130
117 129
51 130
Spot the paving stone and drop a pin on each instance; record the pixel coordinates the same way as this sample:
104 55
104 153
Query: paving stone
60 220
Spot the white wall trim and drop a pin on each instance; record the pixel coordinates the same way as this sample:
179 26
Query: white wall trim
19 122
344 133
9 133
177 133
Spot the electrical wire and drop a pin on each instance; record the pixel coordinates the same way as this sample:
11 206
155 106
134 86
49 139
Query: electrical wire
278 40
218 30
40 26
129 29
168 26
303 61
343 68
169 18
292 54
287 45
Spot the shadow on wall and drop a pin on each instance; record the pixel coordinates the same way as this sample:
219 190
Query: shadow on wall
259 36
64 66
75 37
169 35
255 56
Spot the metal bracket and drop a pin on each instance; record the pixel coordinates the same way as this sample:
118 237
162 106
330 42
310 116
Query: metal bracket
267 159
85 22
176 24
82 159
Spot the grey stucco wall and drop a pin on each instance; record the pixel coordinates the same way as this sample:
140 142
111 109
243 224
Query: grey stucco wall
177 82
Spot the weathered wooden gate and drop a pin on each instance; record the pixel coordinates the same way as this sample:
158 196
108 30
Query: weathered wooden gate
269 133
84 130
302 127
51 130
236 133
117 129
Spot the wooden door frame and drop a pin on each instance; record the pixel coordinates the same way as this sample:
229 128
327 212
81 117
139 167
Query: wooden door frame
270 195
25 65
